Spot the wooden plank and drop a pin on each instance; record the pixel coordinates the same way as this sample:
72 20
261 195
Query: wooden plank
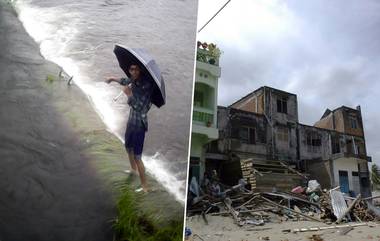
273 169
233 212
289 209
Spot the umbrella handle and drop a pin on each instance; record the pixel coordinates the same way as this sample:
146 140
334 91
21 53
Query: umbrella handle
118 96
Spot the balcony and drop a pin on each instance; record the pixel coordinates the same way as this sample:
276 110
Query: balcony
204 123
203 116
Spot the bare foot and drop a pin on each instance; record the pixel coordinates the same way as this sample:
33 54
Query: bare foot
134 172
139 190
146 189
143 189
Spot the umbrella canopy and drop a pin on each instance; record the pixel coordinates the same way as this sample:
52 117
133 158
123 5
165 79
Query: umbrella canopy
128 56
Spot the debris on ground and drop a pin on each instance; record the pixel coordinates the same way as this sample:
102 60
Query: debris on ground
316 237
250 209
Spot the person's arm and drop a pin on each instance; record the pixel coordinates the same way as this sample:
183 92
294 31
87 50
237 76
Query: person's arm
121 81
124 81
139 102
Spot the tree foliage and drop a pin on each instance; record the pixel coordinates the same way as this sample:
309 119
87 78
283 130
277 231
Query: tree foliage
375 177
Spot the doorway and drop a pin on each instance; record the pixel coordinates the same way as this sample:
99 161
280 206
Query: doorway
343 182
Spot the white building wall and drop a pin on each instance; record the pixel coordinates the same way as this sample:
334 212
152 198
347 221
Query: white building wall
346 164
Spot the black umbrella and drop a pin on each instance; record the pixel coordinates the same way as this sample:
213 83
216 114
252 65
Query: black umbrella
128 56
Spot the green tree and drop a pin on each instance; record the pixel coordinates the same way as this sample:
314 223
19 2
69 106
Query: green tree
375 177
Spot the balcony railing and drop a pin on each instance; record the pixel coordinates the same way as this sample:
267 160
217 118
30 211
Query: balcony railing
206 118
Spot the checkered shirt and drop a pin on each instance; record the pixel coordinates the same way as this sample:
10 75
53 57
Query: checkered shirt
140 103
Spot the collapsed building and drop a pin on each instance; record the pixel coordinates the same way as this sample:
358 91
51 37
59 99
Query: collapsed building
261 140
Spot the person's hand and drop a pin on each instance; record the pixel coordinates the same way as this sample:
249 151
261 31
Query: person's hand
128 91
110 79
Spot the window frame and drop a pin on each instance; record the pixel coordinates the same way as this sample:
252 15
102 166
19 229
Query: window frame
282 105
353 121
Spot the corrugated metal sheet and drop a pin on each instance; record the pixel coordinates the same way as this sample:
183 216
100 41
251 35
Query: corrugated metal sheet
338 203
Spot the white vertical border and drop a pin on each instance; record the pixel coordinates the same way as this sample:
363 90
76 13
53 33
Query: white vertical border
191 121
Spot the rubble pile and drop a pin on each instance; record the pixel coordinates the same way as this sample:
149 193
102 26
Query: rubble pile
362 213
326 208
249 208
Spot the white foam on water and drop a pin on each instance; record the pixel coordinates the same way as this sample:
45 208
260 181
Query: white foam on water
39 23
154 165
53 41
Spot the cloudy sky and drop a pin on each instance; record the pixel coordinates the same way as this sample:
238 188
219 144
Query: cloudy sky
327 52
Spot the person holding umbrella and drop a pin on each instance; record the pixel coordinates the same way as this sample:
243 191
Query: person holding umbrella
143 87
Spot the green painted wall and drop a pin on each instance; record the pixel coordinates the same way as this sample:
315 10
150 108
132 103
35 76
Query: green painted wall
197 142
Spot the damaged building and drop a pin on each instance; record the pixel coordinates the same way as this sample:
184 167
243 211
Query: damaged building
261 140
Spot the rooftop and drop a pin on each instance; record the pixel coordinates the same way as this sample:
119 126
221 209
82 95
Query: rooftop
261 88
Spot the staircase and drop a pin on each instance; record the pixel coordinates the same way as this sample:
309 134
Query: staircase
264 175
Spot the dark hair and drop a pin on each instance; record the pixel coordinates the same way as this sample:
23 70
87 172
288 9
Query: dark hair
135 65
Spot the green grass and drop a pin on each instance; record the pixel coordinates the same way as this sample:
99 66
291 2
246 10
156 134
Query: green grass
132 225
50 78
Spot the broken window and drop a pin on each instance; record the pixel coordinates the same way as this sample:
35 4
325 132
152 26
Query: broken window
234 132
282 105
252 136
247 135
350 147
244 135
335 146
353 122
282 134
313 141
360 146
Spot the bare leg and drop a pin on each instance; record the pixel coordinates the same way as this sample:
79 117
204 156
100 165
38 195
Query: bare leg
141 169
131 157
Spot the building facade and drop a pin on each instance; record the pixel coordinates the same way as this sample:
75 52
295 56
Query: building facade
264 126
204 123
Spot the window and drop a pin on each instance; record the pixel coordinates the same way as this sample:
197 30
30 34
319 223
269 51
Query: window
360 146
282 134
350 147
353 122
335 146
247 135
313 141
282 105
252 136
244 135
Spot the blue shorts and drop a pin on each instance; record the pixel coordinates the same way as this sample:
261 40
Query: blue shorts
134 142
